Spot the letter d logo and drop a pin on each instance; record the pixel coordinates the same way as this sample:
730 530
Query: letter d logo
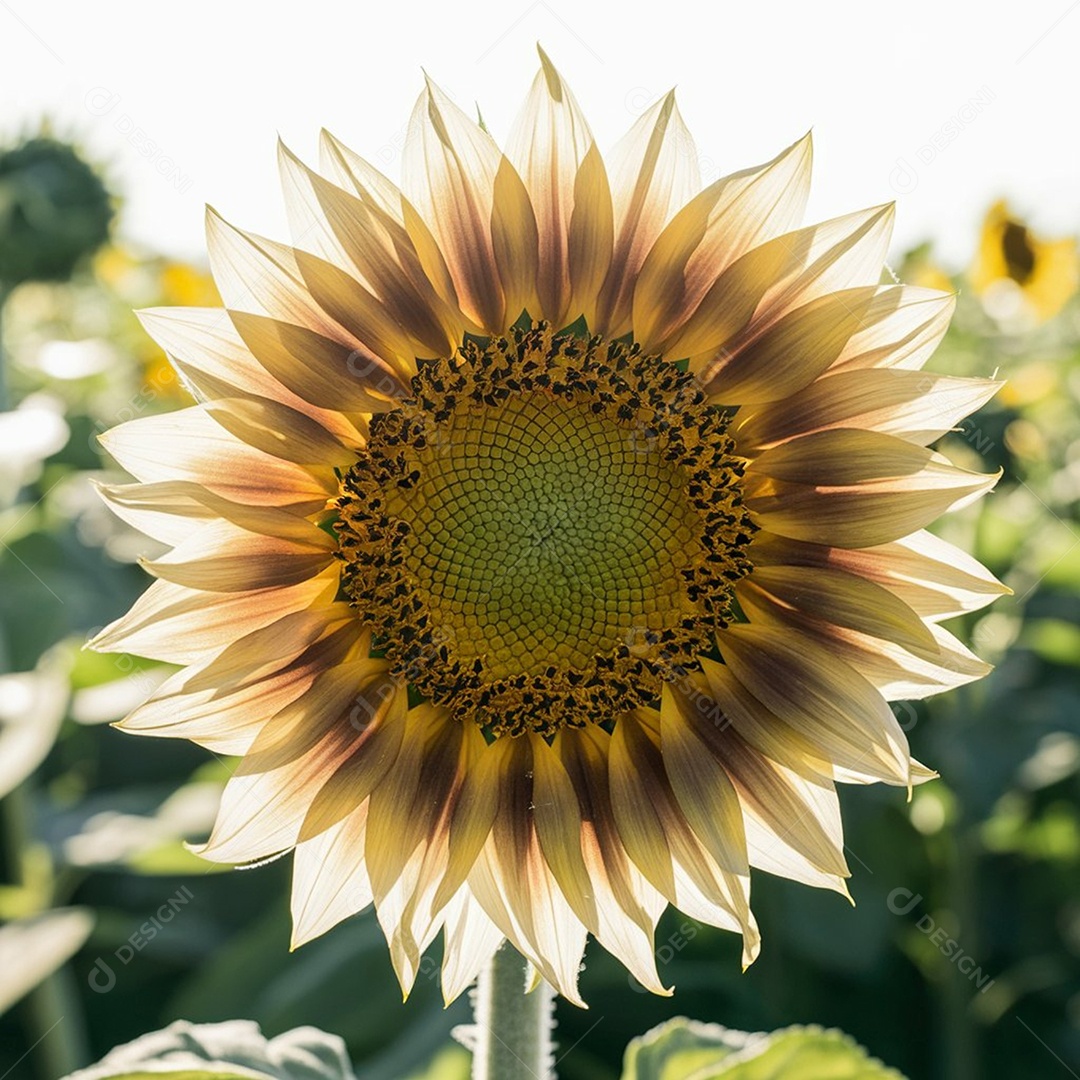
901 901
101 978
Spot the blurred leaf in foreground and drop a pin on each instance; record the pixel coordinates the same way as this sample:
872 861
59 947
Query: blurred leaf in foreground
32 949
682 1049
234 1050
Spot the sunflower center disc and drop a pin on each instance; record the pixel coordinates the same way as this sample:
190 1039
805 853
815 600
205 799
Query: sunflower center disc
545 531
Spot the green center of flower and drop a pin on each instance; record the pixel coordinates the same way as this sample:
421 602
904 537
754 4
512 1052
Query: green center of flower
546 531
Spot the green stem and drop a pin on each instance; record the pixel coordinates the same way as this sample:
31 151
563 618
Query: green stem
52 1009
513 1029
4 293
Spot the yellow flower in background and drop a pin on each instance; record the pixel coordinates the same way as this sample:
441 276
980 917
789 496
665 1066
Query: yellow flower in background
1011 259
143 280
549 536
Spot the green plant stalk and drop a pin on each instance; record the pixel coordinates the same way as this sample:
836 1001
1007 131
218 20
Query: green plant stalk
52 1009
513 1028
5 292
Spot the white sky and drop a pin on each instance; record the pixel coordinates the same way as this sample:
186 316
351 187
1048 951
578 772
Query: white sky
211 84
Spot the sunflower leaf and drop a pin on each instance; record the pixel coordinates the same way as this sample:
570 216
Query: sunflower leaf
32 949
234 1050
682 1049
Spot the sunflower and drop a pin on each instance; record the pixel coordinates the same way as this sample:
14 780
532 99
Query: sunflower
548 539
1015 268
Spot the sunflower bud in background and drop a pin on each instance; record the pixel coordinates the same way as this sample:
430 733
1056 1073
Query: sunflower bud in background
1019 275
54 211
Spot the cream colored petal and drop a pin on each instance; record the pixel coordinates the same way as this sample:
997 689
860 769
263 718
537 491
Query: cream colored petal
363 239
702 788
841 598
628 907
477 208
220 557
904 326
591 237
789 353
261 277
791 818
518 893
382 197
723 222
330 881
558 825
264 652
227 717
406 841
778 276
473 815
548 145
933 577
350 171
366 317
918 406
320 715
662 842
336 274
265 804
322 371
810 750
728 306
903 675
562 834
847 252
794 820
189 445
896 671
181 626
514 883
376 718
472 939
810 689
654 171
211 357
170 509
855 488
280 431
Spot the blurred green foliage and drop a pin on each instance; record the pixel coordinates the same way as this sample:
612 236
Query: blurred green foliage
961 960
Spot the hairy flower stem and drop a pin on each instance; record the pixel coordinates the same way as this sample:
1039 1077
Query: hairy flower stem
513 1028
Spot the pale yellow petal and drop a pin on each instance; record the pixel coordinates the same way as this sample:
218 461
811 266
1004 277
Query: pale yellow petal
654 171
933 577
475 205
788 354
472 939
220 557
844 599
547 146
190 445
319 369
181 626
330 881
662 843
814 691
228 716
918 406
723 222
855 488
904 325
211 357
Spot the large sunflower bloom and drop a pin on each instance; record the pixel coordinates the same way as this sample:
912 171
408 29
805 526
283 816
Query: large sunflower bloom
548 536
